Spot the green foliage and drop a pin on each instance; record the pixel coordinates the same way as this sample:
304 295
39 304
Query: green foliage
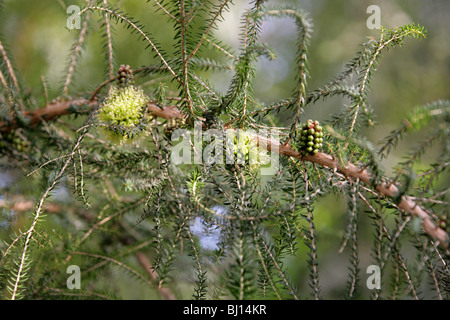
135 215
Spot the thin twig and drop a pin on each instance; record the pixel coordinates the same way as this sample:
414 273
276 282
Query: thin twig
11 74
37 215
110 47
75 55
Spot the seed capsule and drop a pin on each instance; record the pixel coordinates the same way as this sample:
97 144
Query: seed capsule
310 137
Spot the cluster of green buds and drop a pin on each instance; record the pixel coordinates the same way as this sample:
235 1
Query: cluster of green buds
125 76
242 146
173 124
246 150
311 137
14 141
443 220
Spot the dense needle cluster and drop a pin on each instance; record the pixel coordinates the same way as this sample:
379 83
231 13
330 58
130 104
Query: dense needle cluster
311 137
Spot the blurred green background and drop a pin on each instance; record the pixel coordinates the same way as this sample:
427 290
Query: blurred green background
417 73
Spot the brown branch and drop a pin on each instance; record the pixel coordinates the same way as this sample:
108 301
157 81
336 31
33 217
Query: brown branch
50 112
57 109
390 190
28 205
145 263
167 112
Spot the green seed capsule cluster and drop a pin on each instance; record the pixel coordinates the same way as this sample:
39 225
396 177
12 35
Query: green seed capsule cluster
242 147
246 151
14 141
173 124
311 137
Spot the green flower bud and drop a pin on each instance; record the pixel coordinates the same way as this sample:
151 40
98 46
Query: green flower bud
246 149
123 106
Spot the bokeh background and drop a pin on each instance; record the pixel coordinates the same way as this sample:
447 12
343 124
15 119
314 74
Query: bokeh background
417 73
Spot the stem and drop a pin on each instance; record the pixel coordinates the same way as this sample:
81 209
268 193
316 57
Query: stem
407 203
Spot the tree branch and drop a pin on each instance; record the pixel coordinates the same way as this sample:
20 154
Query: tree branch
145 263
390 190
57 109
407 203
